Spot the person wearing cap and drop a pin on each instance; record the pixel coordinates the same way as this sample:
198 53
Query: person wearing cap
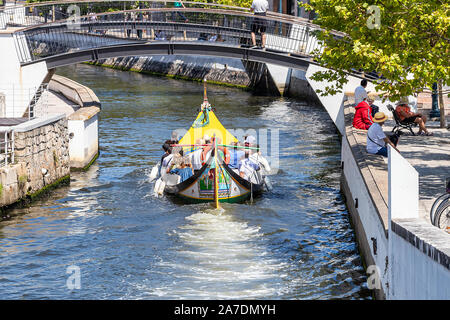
250 140
377 140
363 115
406 116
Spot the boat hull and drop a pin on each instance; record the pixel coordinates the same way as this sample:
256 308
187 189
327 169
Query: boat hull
200 187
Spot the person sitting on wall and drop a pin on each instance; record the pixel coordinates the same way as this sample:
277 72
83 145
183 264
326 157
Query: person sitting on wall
406 116
363 115
360 92
376 139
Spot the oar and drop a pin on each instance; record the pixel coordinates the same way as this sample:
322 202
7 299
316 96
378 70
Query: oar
216 177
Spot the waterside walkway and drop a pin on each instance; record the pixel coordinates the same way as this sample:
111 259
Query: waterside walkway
429 155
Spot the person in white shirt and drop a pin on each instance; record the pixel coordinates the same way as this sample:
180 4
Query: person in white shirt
196 159
259 7
376 138
360 92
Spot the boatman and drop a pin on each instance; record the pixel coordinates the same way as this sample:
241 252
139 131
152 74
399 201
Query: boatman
259 7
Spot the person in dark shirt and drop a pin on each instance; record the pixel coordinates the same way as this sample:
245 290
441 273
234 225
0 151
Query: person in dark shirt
167 151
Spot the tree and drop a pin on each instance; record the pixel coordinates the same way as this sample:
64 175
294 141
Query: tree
404 41
235 3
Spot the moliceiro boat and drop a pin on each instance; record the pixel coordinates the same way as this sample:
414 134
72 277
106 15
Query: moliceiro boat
215 180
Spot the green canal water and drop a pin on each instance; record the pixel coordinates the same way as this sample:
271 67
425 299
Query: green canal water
295 242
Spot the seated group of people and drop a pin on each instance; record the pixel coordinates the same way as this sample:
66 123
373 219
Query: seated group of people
368 118
243 161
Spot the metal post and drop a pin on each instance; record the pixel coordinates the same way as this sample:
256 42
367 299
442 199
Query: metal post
6 148
434 113
12 147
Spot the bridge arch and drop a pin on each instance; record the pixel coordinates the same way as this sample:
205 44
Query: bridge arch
199 29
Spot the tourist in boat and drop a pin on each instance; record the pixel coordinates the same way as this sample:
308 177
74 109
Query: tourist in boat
247 166
363 115
257 157
167 151
167 157
184 169
249 140
195 157
236 154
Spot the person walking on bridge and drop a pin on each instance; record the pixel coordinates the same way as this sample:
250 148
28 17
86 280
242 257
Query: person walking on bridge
259 7
179 4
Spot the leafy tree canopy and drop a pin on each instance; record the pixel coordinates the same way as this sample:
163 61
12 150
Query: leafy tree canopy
405 41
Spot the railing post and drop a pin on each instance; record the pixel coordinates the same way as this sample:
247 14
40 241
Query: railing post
13 146
6 148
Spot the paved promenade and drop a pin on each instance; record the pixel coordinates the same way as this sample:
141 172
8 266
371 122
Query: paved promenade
429 155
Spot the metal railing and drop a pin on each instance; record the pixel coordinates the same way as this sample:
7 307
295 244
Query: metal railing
50 28
19 101
6 147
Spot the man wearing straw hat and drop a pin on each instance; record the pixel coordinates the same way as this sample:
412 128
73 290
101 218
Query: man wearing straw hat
376 139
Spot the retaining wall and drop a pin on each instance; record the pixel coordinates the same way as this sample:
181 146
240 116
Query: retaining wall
263 79
41 159
410 257
83 123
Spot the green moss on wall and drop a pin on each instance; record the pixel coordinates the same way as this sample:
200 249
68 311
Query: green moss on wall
172 76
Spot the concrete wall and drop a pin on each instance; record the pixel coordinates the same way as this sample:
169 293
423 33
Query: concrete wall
83 134
366 216
419 261
83 123
41 158
419 253
410 257
17 83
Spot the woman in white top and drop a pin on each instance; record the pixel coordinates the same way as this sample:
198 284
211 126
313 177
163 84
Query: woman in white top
376 138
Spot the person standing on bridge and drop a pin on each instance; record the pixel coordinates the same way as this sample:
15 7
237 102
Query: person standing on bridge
259 7
179 4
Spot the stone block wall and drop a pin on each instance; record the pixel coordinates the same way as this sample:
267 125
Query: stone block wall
41 158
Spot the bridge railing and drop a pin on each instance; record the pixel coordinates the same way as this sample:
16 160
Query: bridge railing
52 28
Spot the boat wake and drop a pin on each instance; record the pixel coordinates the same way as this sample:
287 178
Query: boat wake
218 257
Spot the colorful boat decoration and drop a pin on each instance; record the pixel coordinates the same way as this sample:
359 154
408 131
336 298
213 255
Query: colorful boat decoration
215 181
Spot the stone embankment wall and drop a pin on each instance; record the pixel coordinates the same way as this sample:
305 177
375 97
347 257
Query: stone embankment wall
259 77
41 159
223 71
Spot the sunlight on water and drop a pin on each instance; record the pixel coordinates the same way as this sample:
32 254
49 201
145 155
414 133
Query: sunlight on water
219 258
295 242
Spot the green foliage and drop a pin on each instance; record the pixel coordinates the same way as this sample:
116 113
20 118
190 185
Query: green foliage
409 47
235 3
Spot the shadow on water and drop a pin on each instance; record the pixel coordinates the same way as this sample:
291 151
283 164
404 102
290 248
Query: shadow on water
293 243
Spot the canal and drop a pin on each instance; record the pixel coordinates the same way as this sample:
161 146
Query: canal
295 242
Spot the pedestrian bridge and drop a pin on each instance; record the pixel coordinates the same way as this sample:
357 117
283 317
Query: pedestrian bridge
68 32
